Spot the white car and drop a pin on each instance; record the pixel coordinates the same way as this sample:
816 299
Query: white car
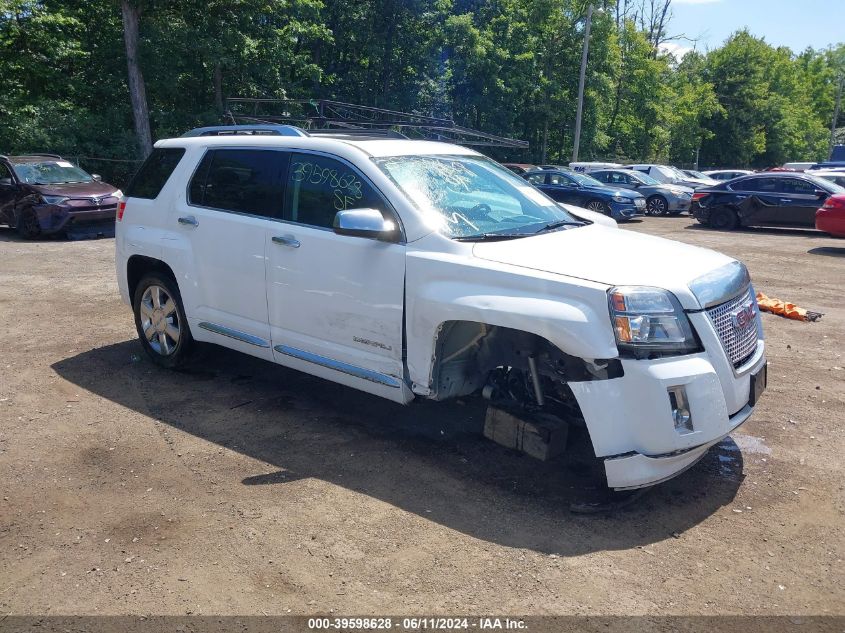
416 269
672 175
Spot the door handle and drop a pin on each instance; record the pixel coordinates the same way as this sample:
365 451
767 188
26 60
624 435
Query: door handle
286 240
785 200
188 220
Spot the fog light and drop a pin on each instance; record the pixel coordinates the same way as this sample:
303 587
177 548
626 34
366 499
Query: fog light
681 415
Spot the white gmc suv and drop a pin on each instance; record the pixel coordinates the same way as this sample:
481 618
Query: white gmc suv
420 269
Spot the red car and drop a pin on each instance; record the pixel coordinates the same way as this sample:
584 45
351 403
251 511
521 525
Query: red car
831 217
44 194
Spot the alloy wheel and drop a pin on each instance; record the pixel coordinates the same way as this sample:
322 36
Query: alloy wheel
160 320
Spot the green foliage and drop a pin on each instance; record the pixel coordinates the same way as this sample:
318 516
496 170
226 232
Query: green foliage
509 67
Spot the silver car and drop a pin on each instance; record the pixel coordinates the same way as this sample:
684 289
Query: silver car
661 198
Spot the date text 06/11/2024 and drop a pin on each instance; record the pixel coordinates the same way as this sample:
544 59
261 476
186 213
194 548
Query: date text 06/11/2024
419 623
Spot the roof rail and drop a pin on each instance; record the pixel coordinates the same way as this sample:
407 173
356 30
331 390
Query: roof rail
358 134
251 130
36 155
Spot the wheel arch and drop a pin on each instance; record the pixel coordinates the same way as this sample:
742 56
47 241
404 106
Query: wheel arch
139 265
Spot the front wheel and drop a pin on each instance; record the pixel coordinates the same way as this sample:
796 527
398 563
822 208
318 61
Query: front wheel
161 322
598 206
723 219
28 227
657 205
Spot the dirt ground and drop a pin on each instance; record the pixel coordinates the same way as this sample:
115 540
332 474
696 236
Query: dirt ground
240 487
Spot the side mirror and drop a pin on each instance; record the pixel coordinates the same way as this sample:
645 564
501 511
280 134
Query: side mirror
364 223
97 177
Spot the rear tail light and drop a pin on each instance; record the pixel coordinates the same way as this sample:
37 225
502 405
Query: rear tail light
121 207
834 202
698 197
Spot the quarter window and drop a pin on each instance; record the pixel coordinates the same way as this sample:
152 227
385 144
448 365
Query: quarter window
318 187
155 171
240 180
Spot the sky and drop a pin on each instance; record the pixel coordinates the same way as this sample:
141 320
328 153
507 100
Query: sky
794 23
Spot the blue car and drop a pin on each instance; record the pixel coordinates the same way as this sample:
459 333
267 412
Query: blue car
584 191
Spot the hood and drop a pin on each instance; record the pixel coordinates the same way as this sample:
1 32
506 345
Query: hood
615 257
610 190
696 182
76 189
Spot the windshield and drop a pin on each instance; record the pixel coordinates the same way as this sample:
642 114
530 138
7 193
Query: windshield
644 178
825 185
50 172
585 181
472 196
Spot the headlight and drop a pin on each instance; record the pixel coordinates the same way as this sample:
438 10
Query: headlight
618 197
647 320
117 194
54 199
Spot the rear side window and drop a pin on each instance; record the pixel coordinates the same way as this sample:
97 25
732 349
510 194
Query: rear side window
318 187
761 185
240 180
155 171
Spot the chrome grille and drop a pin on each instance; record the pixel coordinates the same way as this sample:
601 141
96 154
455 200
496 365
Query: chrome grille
739 343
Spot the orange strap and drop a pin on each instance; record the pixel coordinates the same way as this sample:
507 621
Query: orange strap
784 308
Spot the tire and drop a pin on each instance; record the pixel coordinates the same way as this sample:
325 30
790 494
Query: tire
28 227
657 205
598 206
723 219
160 321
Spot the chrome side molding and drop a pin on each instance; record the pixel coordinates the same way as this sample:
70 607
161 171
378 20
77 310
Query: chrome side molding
235 334
346 368
720 285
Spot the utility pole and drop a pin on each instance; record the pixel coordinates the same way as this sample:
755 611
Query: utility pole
835 117
584 52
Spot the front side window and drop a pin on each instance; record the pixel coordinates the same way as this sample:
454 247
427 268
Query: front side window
318 187
560 179
536 179
50 172
240 180
472 196
155 171
5 175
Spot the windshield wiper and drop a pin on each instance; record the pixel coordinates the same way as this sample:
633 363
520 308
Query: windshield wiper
491 237
557 225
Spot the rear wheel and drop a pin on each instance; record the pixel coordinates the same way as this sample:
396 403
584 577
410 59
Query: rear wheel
598 206
28 226
723 219
161 322
657 205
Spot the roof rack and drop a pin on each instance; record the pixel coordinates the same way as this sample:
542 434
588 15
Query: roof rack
247 130
342 120
357 134
36 155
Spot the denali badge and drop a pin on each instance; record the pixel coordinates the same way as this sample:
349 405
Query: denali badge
743 317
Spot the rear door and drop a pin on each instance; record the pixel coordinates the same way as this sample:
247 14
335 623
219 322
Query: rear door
234 197
757 199
336 302
798 202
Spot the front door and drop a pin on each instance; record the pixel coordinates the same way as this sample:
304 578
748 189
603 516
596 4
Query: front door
233 197
799 202
336 302
8 195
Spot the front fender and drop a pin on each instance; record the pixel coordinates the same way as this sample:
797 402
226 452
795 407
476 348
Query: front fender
570 314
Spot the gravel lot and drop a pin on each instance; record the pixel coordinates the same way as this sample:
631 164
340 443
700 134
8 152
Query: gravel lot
240 487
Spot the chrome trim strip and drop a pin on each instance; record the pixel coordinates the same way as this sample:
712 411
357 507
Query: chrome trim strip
720 285
235 334
346 368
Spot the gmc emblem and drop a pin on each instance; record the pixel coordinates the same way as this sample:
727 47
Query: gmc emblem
743 317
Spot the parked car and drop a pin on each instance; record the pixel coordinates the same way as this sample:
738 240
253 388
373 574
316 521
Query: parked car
773 198
590 166
834 176
669 175
661 199
584 191
416 269
727 174
830 218
698 175
798 166
43 194
557 167
519 168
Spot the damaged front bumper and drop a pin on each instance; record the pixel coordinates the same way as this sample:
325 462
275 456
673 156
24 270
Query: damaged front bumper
633 421
56 218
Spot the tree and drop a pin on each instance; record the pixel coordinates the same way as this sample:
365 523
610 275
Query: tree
131 12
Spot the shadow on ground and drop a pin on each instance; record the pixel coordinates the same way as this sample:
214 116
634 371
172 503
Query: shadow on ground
829 251
809 232
426 458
